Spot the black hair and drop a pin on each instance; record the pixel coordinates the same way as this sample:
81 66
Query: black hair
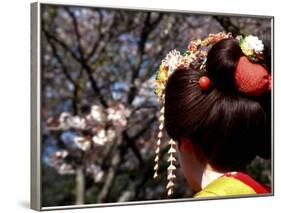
228 127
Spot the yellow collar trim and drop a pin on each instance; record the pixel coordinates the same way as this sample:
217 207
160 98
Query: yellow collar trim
225 186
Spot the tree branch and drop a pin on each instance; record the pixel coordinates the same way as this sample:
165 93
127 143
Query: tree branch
76 30
226 23
68 76
147 28
95 46
115 161
83 64
63 66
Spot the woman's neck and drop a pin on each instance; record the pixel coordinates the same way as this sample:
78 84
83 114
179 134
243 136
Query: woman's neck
209 175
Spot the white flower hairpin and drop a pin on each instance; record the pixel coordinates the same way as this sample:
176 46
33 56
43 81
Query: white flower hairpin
252 47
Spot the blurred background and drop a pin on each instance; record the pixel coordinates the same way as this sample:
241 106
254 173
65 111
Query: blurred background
99 110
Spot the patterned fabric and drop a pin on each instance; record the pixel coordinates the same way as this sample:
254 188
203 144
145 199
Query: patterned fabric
232 184
251 78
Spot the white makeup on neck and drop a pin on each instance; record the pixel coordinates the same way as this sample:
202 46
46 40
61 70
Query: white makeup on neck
209 175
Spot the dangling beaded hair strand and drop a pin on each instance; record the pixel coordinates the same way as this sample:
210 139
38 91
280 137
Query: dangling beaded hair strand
159 136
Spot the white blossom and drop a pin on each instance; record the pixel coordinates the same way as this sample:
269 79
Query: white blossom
82 143
96 113
254 43
67 121
95 171
118 115
64 120
61 153
57 161
100 138
110 134
65 168
77 122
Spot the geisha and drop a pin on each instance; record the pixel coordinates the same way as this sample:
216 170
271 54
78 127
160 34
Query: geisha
215 106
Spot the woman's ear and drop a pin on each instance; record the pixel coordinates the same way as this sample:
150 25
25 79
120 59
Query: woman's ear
185 145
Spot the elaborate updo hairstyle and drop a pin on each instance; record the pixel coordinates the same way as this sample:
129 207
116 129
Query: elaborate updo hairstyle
228 127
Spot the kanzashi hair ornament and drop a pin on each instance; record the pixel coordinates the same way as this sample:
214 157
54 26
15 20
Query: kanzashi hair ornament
194 55
252 47
204 83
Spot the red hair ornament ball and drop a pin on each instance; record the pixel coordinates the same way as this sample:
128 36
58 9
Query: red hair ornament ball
204 83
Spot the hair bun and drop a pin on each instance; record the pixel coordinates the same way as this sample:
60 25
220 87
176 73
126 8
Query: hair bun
250 78
231 71
221 64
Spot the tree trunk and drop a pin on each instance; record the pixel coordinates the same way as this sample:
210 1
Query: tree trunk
115 161
80 186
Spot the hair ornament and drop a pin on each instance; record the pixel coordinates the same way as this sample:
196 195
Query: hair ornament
251 78
252 47
195 54
204 83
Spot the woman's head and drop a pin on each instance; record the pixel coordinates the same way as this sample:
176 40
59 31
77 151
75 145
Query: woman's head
227 127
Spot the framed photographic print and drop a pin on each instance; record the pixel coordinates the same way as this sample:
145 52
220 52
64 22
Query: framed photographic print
140 105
